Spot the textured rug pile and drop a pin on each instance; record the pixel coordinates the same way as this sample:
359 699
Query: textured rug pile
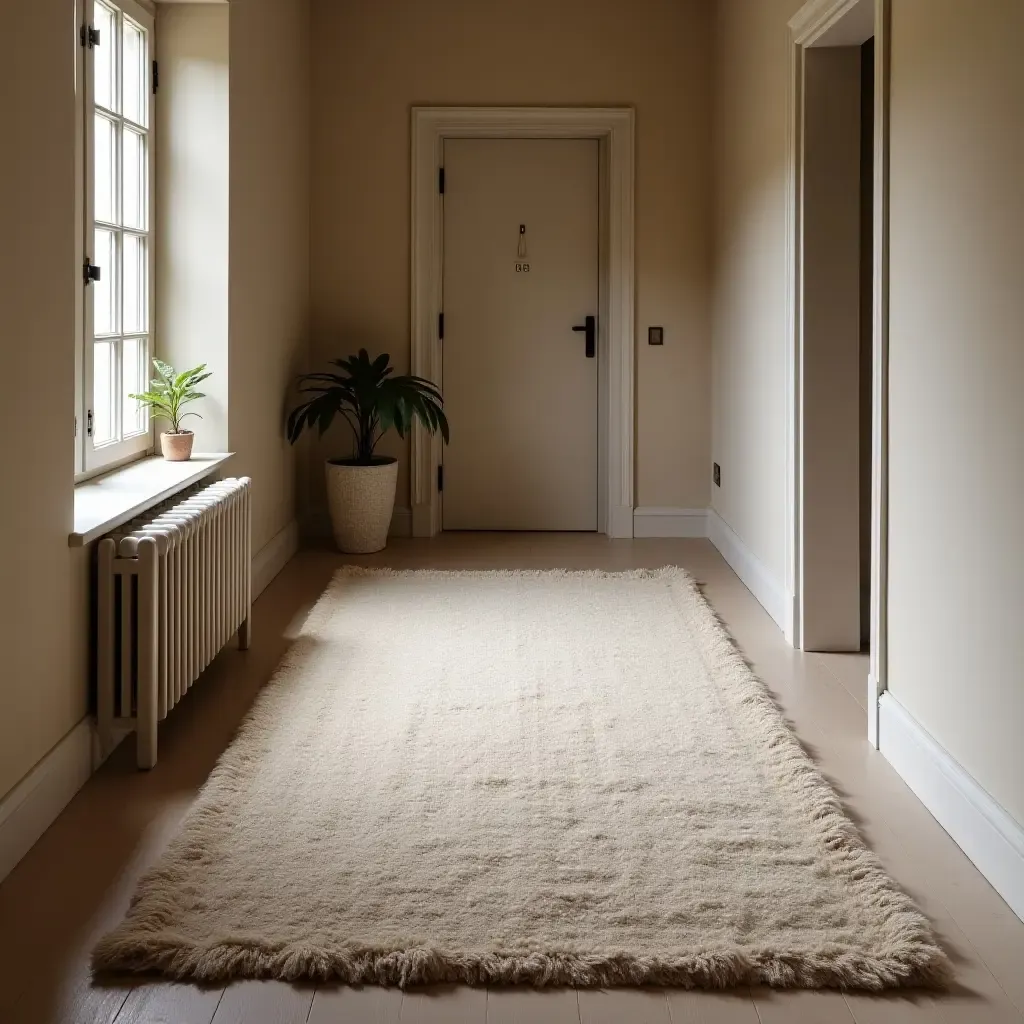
520 777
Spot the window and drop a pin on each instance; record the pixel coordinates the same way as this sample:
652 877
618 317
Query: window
117 273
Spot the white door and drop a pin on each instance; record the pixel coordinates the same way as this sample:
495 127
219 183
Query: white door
520 390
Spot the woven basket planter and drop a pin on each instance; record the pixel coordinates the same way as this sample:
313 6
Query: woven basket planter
361 500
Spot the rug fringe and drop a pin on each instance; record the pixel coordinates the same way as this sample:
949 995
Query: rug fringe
422 966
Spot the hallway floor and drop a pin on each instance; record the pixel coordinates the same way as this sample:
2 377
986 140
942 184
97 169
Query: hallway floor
76 882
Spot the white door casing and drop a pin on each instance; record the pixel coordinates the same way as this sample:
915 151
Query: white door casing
820 22
520 271
613 128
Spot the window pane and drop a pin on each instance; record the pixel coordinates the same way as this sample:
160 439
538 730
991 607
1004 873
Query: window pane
105 164
105 57
134 182
104 291
133 56
103 417
134 363
135 284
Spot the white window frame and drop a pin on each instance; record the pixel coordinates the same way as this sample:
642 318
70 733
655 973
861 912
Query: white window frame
90 458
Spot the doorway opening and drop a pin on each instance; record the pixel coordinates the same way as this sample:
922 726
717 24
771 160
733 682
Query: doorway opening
867 299
839 236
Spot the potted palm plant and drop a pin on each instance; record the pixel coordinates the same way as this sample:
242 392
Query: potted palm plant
167 393
372 400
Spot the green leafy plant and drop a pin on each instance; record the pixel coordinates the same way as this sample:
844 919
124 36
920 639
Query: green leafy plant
371 400
169 391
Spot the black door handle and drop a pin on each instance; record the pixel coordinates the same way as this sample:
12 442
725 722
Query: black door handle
590 327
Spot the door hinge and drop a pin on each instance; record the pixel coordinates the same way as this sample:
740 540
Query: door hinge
440 478
440 180
88 423
76 425
89 36
156 76
440 326
90 272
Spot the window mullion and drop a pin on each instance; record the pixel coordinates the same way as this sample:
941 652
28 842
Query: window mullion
116 353
119 236
89 239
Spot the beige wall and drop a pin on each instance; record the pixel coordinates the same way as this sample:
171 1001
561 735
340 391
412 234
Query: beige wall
42 583
956 491
957 361
44 617
372 62
269 249
234 189
749 297
192 230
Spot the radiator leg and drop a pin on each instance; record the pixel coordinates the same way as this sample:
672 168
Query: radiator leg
245 629
149 673
105 644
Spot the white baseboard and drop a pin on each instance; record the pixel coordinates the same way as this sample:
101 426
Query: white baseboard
273 557
771 594
35 802
659 521
992 840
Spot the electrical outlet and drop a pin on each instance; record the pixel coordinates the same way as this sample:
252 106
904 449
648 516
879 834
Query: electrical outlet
717 474
655 335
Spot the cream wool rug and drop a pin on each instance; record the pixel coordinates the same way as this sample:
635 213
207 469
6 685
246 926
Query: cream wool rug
540 777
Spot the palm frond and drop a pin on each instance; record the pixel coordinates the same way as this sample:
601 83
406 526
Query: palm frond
371 398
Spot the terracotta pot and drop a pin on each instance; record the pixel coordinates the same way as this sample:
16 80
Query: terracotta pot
177 447
361 500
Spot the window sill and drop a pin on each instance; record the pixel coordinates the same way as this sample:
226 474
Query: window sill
108 501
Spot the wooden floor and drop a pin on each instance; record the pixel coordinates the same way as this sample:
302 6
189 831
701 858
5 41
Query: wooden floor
77 880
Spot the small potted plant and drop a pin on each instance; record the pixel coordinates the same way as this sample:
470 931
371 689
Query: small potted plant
168 392
361 488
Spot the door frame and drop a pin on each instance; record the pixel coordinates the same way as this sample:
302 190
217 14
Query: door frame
808 27
613 128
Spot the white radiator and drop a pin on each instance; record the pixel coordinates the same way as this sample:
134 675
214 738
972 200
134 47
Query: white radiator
173 586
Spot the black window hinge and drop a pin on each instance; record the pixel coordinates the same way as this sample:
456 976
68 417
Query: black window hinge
156 77
440 326
440 478
90 272
440 180
89 36
88 423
